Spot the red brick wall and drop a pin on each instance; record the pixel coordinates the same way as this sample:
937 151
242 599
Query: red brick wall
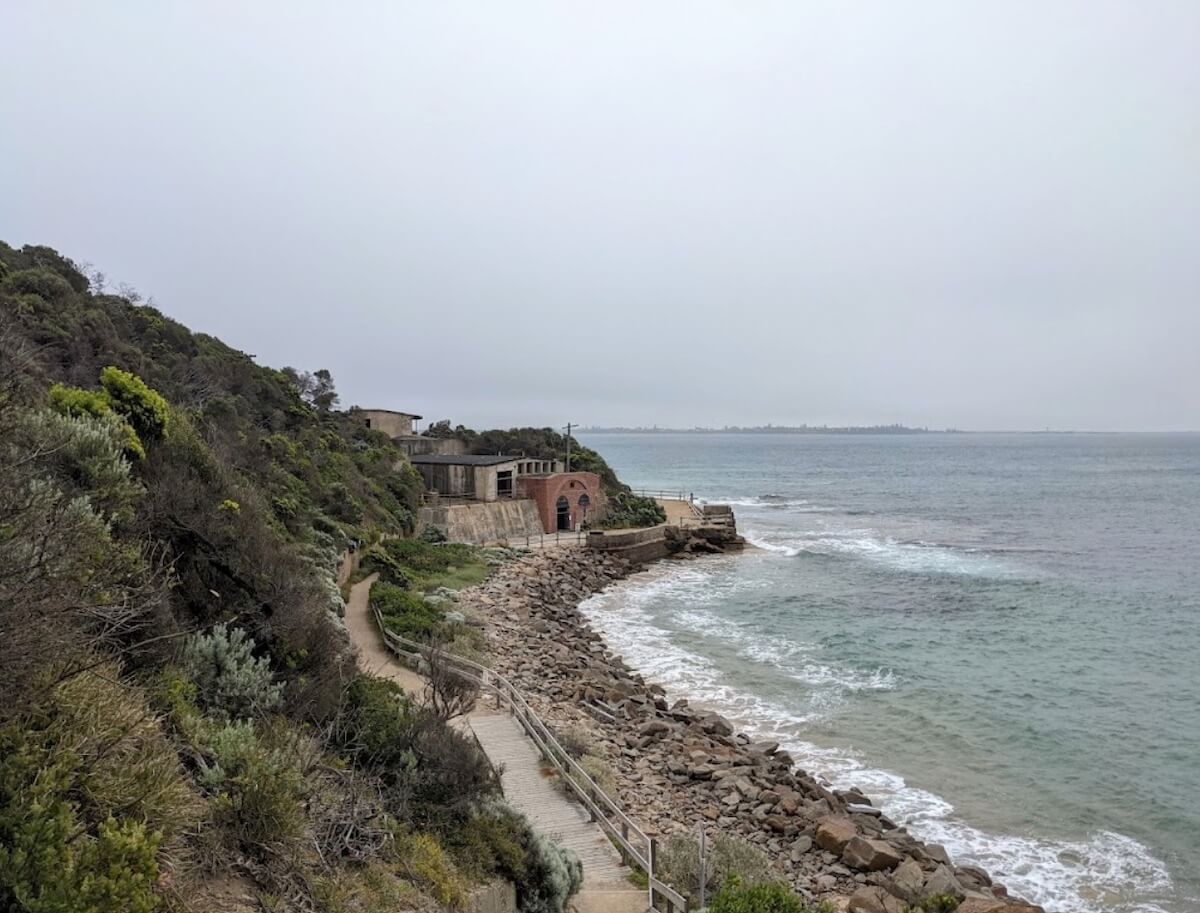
546 490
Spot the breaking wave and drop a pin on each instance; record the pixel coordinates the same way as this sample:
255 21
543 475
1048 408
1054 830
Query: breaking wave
1107 871
909 556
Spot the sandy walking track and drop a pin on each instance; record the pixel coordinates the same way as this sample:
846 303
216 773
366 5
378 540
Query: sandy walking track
528 785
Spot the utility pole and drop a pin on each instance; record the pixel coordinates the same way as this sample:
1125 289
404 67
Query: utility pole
568 446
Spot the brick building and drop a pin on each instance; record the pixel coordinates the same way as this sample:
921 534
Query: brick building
565 500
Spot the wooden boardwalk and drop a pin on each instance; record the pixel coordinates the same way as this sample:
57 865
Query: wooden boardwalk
528 784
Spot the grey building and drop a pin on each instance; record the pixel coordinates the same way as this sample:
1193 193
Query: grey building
478 477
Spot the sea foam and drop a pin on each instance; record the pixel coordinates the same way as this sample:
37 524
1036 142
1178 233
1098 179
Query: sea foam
1105 872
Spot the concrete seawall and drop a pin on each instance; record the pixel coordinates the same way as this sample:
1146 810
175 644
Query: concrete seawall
642 546
637 545
485 522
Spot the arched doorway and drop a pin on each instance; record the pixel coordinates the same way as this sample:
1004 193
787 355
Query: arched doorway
563 511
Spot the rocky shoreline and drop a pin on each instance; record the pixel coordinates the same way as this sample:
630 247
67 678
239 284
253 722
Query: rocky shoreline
677 765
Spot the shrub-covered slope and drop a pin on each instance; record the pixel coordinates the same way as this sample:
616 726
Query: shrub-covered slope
183 727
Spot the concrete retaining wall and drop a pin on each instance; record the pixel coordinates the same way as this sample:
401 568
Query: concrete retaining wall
497 897
348 565
485 522
640 545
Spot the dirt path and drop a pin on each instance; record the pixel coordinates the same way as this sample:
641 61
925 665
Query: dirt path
373 656
526 787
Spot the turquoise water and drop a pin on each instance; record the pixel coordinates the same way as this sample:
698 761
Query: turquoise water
997 636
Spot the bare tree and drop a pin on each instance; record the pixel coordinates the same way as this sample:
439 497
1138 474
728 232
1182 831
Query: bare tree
448 692
129 293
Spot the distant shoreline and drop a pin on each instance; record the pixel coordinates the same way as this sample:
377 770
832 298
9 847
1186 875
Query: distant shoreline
776 429
864 431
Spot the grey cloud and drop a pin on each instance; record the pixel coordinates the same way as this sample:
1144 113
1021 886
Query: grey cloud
983 215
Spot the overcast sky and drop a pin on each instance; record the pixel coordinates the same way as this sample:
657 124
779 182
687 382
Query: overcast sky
982 215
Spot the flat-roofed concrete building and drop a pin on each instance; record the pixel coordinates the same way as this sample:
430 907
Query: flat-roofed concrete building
477 476
393 424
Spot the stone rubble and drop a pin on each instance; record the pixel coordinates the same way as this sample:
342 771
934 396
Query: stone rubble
678 765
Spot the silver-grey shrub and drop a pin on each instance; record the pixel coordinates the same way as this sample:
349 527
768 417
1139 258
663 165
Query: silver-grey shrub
559 875
229 679
678 863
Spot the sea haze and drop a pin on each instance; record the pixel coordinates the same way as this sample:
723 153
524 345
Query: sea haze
993 635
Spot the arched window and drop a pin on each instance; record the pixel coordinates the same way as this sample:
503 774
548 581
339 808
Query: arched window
584 501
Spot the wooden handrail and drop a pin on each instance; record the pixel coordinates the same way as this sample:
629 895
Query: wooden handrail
637 847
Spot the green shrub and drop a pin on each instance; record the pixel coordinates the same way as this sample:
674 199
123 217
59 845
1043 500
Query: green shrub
373 888
143 408
497 840
259 792
126 765
770 897
85 455
50 861
379 723
939 903
492 842
729 858
228 677
553 875
75 402
392 572
600 773
406 613
422 858
432 773
627 510
576 740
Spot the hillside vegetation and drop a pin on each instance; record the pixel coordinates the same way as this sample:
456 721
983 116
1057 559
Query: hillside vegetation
183 727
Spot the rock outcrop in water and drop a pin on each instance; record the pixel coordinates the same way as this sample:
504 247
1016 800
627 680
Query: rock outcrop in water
678 765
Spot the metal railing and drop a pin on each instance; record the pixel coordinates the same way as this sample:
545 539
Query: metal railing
528 540
541 540
663 494
635 846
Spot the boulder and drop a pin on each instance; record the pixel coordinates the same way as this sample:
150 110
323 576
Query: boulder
870 855
974 873
983 905
654 728
937 853
942 881
800 846
716 724
834 833
979 904
908 881
874 900
745 787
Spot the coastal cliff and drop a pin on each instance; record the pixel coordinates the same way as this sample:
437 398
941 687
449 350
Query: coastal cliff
676 766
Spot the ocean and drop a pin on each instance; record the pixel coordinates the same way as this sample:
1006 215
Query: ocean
996 636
